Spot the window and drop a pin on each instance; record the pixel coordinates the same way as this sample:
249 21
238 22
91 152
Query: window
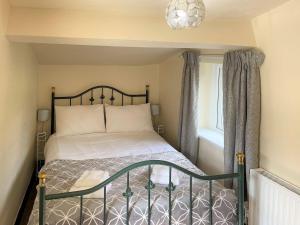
211 95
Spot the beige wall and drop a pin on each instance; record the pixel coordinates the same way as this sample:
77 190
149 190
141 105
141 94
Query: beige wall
170 73
277 34
69 80
94 28
18 86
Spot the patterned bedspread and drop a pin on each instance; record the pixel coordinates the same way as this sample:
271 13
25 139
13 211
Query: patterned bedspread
62 174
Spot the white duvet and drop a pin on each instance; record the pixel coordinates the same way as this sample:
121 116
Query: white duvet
104 145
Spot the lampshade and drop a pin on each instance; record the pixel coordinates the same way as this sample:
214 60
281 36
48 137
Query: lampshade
43 115
185 13
154 109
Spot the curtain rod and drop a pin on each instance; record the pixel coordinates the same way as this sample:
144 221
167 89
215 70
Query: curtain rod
212 55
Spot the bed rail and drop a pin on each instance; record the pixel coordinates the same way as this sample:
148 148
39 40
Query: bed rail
149 185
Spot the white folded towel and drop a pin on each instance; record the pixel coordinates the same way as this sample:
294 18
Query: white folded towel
160 175
89 179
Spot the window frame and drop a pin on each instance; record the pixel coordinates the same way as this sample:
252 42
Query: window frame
220 116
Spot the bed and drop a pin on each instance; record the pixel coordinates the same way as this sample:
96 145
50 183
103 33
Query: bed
132 198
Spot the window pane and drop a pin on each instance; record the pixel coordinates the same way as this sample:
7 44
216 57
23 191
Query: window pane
211 96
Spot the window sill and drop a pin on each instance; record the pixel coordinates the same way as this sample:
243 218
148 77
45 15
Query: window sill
213 136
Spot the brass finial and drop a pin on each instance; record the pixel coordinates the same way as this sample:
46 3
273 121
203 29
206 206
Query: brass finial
240 158
147 87
53 89
42 178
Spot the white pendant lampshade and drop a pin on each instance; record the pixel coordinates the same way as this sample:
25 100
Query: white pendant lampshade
154 110
185 13
43 115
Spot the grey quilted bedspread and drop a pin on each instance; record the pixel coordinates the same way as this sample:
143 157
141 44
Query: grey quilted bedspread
62 174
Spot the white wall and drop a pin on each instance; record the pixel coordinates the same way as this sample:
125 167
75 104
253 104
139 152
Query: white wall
18 100
70 80
278 35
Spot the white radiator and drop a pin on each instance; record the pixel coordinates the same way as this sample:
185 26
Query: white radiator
272 200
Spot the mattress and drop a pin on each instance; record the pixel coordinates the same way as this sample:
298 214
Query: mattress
68 157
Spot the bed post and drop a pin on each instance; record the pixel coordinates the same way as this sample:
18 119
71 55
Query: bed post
42 201
52 109
147 93
241 182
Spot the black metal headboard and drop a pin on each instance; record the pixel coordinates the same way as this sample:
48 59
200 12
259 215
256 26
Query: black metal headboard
92 99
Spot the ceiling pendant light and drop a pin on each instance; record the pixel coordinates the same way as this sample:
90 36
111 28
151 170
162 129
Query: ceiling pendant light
185 13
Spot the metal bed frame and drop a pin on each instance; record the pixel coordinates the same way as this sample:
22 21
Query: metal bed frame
43 197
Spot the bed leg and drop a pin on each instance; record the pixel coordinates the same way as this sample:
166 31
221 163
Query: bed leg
147 93
241 169
42 200
52 109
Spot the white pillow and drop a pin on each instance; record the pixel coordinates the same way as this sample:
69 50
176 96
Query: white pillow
79 119
128 118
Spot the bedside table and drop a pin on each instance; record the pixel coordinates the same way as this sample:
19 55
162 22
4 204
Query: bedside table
160 129
41 139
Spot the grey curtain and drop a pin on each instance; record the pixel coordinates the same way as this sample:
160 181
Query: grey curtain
188 117
241 93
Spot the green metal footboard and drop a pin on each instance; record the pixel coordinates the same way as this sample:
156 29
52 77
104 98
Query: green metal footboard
128 193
